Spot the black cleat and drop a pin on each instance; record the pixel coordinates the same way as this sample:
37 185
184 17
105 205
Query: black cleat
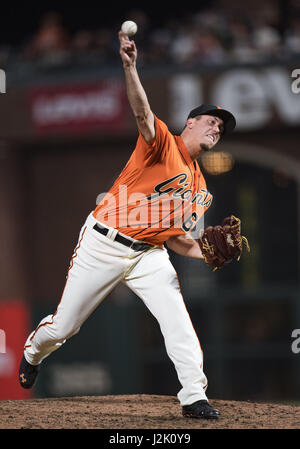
200 409
27 373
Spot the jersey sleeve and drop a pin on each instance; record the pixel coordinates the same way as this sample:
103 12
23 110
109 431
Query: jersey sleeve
156 151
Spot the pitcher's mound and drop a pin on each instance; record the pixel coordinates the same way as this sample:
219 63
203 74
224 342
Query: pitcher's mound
140 412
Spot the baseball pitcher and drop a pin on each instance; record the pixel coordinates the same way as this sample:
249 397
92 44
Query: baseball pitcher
157 200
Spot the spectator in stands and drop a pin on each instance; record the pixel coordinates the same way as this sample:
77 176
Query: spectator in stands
159 42
266 40
183 45
292 36
208 48
211 36
241 47
51 41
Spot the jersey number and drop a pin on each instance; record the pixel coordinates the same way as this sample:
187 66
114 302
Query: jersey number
190 222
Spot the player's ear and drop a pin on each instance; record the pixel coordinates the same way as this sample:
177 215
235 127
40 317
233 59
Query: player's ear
189 123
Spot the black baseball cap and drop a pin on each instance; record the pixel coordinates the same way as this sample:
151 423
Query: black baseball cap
210 109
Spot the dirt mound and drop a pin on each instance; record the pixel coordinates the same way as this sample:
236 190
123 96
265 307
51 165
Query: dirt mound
140 412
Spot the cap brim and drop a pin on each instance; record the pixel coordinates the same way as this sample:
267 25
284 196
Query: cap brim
228 119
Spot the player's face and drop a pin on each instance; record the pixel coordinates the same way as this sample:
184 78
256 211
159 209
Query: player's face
208 130
202 133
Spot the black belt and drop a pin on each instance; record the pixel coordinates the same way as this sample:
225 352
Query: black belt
136 246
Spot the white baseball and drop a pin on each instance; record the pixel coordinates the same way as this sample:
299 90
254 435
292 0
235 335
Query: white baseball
129 27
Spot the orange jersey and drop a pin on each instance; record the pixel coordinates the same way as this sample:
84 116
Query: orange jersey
160 193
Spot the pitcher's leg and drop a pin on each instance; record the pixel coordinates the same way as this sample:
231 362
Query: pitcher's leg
91 277
155 281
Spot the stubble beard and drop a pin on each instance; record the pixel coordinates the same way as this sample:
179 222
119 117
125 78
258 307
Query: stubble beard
204 147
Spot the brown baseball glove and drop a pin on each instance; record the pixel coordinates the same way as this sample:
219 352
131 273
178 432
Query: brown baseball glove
221 244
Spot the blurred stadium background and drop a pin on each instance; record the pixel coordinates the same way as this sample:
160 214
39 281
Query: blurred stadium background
66 132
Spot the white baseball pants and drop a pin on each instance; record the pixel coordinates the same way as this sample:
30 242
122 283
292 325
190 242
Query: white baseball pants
98 264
